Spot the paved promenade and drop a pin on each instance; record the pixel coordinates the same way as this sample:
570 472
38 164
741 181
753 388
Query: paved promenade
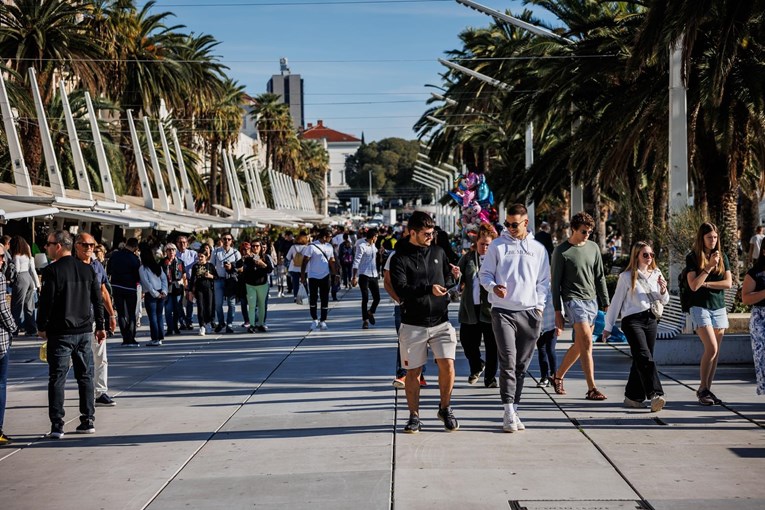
299 420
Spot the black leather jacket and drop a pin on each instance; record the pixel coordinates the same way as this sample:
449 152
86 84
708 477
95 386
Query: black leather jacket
413 272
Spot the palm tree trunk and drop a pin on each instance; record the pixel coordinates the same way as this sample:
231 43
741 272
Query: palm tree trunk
750 215
31 143
132 182
213 180
729 228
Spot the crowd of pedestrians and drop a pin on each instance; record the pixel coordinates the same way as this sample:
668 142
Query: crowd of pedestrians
516 292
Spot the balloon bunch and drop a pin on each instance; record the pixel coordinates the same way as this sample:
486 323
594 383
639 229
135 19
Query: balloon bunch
477 201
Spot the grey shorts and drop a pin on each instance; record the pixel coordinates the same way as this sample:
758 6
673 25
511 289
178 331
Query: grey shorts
414 342
578 310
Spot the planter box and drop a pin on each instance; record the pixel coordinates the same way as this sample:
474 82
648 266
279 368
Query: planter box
687 350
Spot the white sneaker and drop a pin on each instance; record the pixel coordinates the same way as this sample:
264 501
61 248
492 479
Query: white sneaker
519 423
657 403
202 331
634 404
508 422
314 325
323 325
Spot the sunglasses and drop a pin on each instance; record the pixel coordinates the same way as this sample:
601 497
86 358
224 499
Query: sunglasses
228 238
50 243
514 225
648 255
87 245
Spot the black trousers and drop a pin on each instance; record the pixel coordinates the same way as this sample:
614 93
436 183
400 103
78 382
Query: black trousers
205 296
125 302
470 338
643 381
319 288
369 284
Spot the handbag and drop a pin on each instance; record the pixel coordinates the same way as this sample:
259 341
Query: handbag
657 307
43 354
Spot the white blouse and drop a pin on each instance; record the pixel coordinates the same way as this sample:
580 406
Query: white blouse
628 301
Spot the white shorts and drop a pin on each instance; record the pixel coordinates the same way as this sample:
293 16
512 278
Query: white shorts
414 342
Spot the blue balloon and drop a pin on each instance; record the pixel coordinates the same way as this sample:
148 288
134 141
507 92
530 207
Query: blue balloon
483 192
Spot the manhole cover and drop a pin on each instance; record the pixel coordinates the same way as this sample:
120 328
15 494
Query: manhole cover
579 505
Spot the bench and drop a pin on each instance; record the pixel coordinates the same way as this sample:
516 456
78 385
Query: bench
673 320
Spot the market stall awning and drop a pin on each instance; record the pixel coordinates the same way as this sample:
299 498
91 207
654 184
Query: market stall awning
14 210
120 220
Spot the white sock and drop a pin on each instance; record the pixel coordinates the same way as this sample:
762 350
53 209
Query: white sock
515 407
508 407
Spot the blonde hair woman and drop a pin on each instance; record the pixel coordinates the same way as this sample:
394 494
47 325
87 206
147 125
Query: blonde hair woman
638 287
475 312
709 275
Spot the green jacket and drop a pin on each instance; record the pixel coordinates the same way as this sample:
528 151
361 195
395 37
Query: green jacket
467 315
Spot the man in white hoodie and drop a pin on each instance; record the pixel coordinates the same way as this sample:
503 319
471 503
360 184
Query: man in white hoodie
516 274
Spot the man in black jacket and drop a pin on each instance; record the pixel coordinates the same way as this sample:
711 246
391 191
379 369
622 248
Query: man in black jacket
123 274
70 297
421 275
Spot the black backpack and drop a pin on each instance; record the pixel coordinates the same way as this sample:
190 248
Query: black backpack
684 291
10 272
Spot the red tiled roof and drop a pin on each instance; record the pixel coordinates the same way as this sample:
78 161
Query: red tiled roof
320 131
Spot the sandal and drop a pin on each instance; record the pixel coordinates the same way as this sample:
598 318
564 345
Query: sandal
558 385
595 394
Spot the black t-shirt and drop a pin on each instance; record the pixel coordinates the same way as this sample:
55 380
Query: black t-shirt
759 283
711 299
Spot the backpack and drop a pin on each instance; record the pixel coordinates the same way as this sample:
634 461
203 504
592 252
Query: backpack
297 259
10 272
347 255
684 291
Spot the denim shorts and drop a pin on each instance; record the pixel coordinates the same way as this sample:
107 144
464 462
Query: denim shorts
701 317
578 310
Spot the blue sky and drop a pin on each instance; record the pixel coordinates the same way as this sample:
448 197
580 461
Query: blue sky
350 54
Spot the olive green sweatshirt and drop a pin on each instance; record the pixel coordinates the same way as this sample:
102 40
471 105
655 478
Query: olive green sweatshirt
577 273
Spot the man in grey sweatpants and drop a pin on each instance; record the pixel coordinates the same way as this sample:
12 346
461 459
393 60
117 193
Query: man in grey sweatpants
516 274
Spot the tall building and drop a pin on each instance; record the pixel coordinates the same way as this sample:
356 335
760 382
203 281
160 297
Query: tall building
290 87
340 146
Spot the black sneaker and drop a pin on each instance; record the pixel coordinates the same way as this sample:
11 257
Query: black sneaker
229 329
251 329
57 430
105 401
705 397
371 318
450 422
219 328
262 328
491 383
476 375
413 425
85 427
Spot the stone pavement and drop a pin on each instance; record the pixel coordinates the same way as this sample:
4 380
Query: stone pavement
294 420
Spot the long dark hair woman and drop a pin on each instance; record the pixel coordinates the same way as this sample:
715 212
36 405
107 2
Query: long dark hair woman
709 276
638 288
154 285
25 286
753 293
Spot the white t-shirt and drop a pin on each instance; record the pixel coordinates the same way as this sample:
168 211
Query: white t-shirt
320 255
756 242
337 241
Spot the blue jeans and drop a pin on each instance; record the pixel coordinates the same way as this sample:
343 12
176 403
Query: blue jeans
155 309
173 311
62 348
3 384
188 314
220 299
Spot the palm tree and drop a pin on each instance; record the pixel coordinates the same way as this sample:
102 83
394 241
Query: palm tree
49 37
219 127
315 163
723 65
274 125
